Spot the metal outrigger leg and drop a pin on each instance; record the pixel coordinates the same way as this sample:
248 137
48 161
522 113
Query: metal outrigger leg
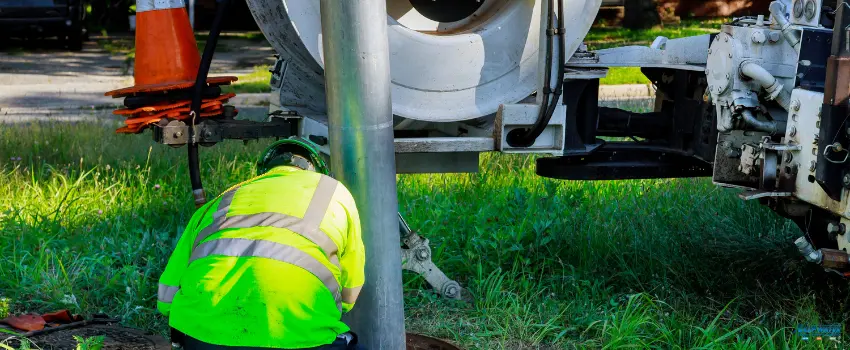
416 257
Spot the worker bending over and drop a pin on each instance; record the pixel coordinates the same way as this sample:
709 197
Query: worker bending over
272 263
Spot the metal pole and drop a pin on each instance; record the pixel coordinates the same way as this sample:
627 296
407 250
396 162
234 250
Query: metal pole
191 5
357 83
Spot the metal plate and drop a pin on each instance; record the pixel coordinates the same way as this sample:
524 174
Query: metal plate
720 66
621 164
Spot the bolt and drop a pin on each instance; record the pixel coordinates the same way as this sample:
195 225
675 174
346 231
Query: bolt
709 51
208 134
792 132
834 228
451 291
795 105
727 75
832 231
178 134
813 166
774 36
846 180
730 55
422 254
758 37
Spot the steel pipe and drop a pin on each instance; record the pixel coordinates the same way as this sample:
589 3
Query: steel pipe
775 90
360 118
777 12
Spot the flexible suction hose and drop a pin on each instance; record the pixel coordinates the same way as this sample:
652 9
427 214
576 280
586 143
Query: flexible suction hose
773 127
527 137
200 83
775 90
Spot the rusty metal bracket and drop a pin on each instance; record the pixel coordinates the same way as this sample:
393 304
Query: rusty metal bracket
416 257
175 133
781 147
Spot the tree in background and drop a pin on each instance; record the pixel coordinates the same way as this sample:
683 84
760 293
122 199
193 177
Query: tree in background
640 14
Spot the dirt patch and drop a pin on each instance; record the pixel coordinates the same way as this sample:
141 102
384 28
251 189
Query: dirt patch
115 338
421 342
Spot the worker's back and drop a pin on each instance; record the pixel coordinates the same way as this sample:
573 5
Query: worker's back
272 263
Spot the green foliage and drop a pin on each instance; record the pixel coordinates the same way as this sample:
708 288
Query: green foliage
20 344
89 343
4 308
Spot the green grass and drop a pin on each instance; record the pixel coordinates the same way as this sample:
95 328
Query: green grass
624 75
602 36
88 219
256 82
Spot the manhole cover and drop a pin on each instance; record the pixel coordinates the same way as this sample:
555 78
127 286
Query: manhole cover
115 338
421 342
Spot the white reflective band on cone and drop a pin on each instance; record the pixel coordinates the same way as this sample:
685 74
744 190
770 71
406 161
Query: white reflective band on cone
150 5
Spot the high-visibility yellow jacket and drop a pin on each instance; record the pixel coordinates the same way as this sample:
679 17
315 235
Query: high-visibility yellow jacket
273 262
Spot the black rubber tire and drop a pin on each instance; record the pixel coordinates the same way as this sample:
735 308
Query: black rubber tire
75 40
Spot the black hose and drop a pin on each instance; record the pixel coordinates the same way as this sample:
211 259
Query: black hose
200 84
527 137
540 126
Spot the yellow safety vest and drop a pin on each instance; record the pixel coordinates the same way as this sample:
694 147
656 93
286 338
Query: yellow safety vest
272 262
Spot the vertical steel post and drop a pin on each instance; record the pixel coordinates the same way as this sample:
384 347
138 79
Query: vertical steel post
357 83
191 5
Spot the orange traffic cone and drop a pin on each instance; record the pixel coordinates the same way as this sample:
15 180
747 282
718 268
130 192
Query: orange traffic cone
166 67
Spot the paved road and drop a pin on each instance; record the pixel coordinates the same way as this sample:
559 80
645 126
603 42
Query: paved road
40 74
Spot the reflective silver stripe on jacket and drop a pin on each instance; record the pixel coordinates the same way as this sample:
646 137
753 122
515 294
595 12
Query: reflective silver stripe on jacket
219 216
349 295
238 247
149 5
166 293
308 227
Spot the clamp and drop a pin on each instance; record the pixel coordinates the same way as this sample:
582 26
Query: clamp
416 257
